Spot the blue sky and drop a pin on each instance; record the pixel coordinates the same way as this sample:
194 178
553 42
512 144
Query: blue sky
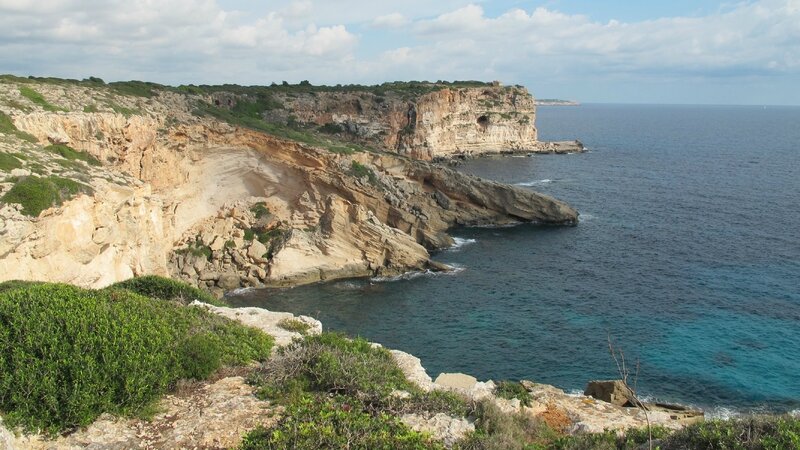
740 52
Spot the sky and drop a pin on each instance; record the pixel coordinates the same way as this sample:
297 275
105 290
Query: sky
679 51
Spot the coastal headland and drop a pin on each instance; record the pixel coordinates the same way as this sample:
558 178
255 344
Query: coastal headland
225 187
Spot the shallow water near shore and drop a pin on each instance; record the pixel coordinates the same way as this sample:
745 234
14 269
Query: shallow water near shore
687 255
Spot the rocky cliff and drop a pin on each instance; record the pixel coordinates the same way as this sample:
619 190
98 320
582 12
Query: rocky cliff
442 122
157 186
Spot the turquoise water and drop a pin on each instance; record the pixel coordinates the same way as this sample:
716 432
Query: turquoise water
687 255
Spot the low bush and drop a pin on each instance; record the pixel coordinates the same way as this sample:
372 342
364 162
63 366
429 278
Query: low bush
297 326
69 354
163 288
334 364
513 390
318 421
36 194
9 162
496 430
428 404
71 154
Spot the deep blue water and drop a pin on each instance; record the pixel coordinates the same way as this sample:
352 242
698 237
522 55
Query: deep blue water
687 255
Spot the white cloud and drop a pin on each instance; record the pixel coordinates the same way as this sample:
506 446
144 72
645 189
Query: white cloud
356 41
393 20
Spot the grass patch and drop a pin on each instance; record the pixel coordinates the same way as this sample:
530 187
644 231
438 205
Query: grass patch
297 326
8 127
36 194
513 390
37 98
162 288
127 112
359 170
9 162
69 354
71 154
90 108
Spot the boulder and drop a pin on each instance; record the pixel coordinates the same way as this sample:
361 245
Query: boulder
611 391
229 281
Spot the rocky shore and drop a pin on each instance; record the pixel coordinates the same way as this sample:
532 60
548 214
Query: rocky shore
215 414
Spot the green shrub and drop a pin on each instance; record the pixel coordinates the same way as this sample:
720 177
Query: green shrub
496 430
197 249
8 127
297 326
90 108
359 170
200 356
168 289
69 354
332 363
260 210
428 403
38 99
9 163
17 284
71 154
316 422
513 390
36 194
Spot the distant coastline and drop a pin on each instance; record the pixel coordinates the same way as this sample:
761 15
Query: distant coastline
555 102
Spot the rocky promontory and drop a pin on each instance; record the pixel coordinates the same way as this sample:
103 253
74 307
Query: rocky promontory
211 186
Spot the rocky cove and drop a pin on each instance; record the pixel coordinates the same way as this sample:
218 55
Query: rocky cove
230 189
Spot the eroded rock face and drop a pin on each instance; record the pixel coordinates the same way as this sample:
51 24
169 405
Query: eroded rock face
182 187
91 241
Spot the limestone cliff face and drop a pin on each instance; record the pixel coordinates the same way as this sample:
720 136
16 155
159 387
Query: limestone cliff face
91 241
176 193
472 121
440 124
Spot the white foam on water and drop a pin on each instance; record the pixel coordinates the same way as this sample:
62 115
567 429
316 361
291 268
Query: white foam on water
454 269
461 242
240 291
535 182
795 413
585 217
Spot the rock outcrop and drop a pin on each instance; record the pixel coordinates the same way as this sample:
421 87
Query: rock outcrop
445 122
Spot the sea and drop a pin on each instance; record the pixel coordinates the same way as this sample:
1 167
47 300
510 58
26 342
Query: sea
686 259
